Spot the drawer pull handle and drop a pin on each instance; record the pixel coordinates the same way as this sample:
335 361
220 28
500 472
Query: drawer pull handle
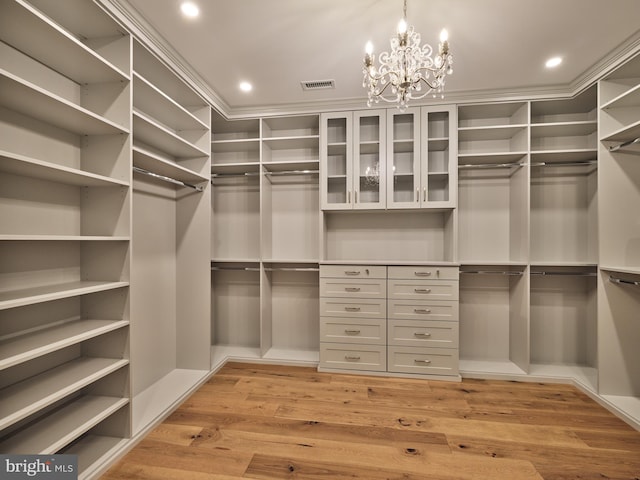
426 362
352 309
352 289
422 290
422 310
352 332
352 272
421 335
352 358
422 274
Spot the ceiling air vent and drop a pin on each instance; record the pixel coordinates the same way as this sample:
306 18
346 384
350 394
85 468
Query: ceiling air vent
318 84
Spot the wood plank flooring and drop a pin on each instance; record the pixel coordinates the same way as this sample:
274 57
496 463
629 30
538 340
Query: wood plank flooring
279 422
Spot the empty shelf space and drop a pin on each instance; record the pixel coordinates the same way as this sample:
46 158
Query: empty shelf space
53 46
29 396
34 344
152 133
630 98
490 158
155 103
563 129
564 156
45 293
235 169
94 451
17 164
481 367
28 99
282 143
48 436
502 132
152 162
235 145
624 134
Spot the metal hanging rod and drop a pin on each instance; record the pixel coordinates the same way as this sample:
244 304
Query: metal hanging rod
620 280
570 274
490 166
243 174
237 269
491 272
621 146
164 178
565 164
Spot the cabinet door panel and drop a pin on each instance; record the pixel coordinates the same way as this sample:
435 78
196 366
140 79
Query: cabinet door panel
336 158
403 159
369 159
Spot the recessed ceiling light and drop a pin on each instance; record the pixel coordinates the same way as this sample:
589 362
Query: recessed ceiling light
553 62
189 9
246 86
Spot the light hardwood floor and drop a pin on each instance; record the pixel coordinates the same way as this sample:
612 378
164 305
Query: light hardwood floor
278 422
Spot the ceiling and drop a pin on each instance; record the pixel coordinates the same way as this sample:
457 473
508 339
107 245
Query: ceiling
499 46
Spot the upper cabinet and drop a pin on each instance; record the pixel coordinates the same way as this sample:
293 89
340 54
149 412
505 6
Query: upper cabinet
352 164
377 159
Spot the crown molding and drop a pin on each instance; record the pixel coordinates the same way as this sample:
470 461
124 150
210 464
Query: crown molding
146 34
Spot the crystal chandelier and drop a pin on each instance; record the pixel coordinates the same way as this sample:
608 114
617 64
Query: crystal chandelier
409 71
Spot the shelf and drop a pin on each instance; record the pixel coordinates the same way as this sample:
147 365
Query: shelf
152 162
61 238
630 98
36 102
51 45
625 134
490 158
29 396
403 146
438 144
17 164
155 103
48 436
235 168
570 155
235 145
152 133
284 143
95 451
291 165
47 293
563 129
35 344
502 132
629 270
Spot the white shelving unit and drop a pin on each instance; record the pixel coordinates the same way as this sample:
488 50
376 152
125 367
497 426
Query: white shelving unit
65 231
171 214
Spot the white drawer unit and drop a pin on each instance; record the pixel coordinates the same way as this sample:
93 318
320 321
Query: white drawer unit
353 357
353 271
352 288
392 319
433 361
412 333
424 273
353 330
423 310
358 308
422 289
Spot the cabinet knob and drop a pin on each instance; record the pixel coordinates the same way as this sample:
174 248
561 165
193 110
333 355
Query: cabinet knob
422 310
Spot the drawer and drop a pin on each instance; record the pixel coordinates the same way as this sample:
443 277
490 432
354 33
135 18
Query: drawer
424 272
423 310
353 330
353 271
352 288
419 333
353 357
431 361
357 308
423 289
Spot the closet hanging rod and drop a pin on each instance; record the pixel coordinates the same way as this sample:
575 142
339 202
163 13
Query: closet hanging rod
243 174
490 166
620 146
491 272
292 172
237 269
164 178
568 274
621 280
564 164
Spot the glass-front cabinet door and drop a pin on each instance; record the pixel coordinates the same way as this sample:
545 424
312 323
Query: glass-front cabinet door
404 189
369 165
439 177
336 161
